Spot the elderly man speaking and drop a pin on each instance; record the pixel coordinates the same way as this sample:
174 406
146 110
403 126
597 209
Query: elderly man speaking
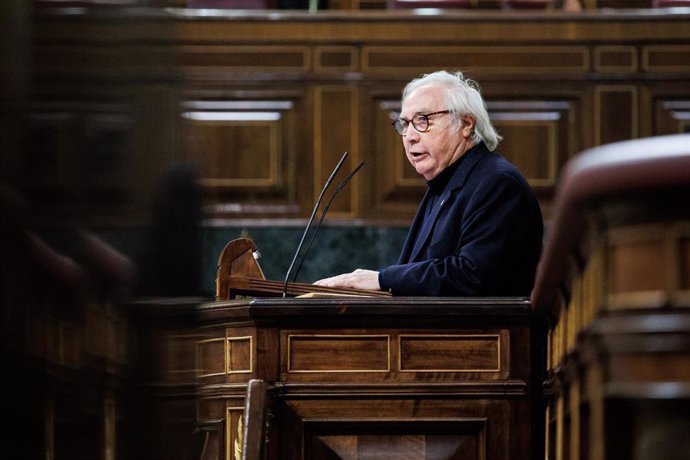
478 230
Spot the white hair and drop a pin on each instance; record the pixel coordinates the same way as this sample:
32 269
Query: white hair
463 98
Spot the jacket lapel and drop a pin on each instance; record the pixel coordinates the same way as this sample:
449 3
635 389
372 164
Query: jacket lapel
456 182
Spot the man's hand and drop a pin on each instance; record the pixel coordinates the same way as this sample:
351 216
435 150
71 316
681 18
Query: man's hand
358 279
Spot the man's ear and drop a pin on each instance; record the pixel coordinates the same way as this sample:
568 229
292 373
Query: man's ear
467 125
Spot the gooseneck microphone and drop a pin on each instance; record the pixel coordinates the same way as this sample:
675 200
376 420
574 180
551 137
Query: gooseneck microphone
323 214
311 219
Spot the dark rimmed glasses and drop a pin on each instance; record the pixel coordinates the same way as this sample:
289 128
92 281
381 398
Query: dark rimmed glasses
420 122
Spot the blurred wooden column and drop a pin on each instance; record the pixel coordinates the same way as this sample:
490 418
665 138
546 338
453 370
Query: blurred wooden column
89 122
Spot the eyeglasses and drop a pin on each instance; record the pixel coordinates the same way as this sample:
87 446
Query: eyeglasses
419 121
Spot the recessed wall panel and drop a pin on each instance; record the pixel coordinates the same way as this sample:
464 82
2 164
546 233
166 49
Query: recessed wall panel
335 133
615 113
516 59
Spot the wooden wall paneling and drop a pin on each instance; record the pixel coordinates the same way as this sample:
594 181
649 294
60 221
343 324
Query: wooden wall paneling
271 173
612 59
336 121
604 66
336 59
476 60
537 135
670 106
249 150
672 116
616 113
202 61
666 58
236 148
646 110
681 282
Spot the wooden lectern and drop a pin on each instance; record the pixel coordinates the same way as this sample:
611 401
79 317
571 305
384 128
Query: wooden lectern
355 376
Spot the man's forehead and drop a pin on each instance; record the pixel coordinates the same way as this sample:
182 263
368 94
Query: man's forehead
422 100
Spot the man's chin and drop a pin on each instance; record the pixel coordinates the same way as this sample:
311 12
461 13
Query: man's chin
426 174
421 168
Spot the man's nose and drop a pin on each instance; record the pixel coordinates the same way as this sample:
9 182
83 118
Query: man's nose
411 135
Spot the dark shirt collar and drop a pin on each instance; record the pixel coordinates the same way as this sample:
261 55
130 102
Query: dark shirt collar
438 184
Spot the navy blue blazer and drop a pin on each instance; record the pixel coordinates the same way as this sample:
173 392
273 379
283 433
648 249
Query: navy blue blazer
484 238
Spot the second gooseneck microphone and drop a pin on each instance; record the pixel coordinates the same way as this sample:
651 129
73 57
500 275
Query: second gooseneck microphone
323 215
311 218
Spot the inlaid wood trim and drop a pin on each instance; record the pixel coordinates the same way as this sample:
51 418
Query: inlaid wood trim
614 59
475 59
199 358
436 338
228 349
246 57
666 58
328 59
292 338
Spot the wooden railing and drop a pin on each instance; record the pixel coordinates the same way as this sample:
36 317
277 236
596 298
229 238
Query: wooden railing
615 281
